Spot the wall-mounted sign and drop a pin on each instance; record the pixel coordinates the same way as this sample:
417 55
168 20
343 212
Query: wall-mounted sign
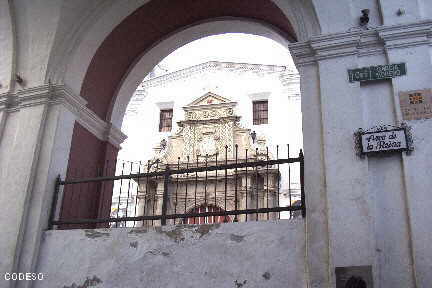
384 141
379 72
384 138
416 104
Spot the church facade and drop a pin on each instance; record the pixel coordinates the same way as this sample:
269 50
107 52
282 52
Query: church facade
210 135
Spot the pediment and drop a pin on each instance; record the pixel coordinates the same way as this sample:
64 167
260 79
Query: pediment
209 99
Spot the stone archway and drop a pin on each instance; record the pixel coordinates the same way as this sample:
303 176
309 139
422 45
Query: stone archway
107 81
134 46
95 71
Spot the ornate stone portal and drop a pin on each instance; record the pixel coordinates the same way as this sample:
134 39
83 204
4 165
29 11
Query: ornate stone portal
210 135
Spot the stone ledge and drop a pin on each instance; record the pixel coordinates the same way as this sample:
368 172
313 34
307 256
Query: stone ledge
49 94
362 42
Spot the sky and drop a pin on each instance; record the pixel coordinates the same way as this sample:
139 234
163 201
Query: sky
232 47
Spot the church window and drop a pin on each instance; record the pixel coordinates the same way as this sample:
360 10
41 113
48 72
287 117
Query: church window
260 112
165 120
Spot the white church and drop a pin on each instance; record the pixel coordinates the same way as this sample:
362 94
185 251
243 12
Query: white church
156 107
258 95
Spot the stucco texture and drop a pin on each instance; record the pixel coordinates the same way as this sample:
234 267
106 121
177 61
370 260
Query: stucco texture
251 254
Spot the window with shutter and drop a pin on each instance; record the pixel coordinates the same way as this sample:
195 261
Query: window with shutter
260 112
165 120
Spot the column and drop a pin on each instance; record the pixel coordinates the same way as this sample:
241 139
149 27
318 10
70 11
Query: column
410 44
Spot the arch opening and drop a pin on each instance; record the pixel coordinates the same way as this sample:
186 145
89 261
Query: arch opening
175 84
109 80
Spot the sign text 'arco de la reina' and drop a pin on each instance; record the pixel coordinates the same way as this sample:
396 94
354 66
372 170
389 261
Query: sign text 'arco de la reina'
379 72
383 141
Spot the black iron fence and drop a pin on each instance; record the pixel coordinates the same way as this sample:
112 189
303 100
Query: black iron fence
209 189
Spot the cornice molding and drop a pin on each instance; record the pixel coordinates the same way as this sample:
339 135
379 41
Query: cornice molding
362 42
338 45
213 66
405 36
114 136
61 95
44 94
210 106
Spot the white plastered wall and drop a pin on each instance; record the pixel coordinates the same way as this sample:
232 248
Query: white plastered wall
374 204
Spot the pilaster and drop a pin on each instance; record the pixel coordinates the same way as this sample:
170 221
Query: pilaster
411 44
38 124
317 234
339 200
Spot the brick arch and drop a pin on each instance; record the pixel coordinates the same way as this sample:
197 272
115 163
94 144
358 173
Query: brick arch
119 52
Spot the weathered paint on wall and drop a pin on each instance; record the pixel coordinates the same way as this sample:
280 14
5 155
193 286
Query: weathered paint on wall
251 254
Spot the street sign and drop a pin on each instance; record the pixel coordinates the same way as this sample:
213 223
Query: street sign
383 139
379 72
391 140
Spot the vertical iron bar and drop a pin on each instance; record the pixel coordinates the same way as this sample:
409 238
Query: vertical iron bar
165 195
101 187
196 187
303 198
235 184
256 184
267 182
289 189
205 183
215 187
186 190
120 191
156 191
288 151
289 181
108 173
111 224
226 175
146 193
129 186
246 177
137 191
176 192
74 188
54 202
278 181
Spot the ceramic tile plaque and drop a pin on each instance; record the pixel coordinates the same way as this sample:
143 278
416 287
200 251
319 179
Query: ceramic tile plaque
416 104
354 276
381 141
